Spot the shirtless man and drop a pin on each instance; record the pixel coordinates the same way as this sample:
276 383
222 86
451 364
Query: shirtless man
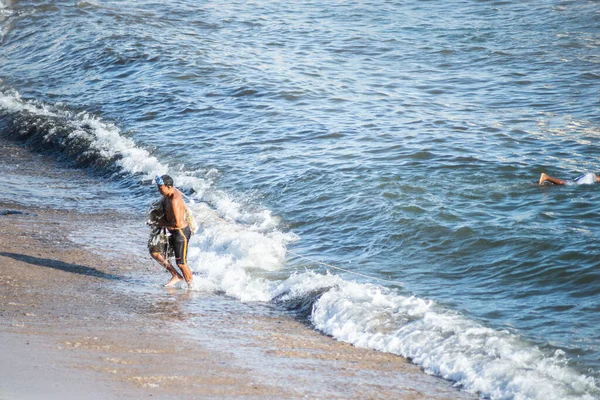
174 208
585 179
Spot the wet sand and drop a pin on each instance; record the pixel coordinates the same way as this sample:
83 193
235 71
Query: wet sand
91 322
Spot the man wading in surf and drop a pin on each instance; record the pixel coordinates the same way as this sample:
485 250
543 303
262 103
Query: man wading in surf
174 221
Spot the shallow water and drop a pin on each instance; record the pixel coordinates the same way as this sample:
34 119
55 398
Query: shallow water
401 141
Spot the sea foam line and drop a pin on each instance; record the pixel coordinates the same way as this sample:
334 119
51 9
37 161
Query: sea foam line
495 364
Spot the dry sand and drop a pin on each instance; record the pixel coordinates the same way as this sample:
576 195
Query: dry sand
76 323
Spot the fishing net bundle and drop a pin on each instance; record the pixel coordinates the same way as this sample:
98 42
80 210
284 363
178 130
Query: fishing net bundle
158 241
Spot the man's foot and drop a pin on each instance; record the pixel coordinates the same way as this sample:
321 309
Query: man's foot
543 178
174 281
191 285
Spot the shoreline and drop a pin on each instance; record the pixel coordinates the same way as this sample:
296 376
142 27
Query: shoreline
95 323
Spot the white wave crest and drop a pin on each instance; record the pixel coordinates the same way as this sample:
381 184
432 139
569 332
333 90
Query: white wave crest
495 364
104 137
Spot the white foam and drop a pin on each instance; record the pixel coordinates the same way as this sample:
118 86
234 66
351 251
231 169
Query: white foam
11 100
496 364
105 138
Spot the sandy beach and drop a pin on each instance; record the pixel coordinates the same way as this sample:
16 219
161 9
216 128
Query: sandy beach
86 322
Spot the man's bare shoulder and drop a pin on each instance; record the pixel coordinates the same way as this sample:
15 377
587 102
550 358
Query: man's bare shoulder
177 199
177 194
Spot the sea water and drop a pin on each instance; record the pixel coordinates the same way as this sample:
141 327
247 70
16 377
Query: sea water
370 166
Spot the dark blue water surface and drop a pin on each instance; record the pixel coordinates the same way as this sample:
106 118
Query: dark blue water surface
398 139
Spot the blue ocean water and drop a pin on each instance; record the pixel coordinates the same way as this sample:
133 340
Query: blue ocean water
401 141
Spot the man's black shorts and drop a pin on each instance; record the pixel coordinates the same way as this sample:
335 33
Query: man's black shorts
179 243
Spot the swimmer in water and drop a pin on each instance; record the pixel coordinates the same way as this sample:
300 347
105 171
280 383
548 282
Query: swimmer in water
585 179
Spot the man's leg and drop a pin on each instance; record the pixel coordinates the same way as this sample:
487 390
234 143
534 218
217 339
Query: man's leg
546 178
187 273
175 276
181 238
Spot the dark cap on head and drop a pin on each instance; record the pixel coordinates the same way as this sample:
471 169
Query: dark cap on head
168 181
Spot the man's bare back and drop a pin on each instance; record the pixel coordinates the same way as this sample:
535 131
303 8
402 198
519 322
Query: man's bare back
174 210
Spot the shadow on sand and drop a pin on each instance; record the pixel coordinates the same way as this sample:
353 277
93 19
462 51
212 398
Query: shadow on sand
62 266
